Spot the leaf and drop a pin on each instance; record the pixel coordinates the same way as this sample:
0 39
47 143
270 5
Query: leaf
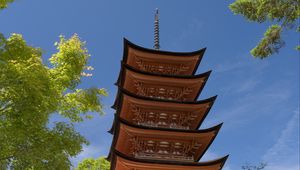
4 3
282 12
93 164
270 43
31 93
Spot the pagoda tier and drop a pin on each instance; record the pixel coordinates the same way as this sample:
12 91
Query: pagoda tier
162 144
123 162
180 88
162 113
163 62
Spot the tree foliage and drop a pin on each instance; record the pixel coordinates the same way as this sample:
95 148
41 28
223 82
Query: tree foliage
283 12
4 3
94 164
31 92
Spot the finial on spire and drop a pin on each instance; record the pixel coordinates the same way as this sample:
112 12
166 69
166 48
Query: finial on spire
156 31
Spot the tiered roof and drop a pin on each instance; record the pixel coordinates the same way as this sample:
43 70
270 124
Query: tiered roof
162 113
124 162
157 112
184 88
163 62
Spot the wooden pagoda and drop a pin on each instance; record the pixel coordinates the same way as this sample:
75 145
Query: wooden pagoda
157 112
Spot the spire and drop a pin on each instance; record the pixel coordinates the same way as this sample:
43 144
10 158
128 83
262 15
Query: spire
156 31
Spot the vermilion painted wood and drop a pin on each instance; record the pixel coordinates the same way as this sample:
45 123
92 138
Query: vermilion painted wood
157 112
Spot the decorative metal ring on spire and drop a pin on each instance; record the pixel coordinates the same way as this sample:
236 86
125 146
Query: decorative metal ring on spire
156 31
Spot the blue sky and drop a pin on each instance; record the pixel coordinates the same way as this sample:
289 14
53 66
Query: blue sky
258 100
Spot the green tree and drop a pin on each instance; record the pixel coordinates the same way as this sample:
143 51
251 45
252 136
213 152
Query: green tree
94 164
4 3
31 92
284 13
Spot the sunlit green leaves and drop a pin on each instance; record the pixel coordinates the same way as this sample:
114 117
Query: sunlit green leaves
284 12
94 164
4 3
69 62
251 9
30 92
262 10
270 43
80 102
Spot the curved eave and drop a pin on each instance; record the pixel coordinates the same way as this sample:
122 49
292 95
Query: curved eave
122 91
128 44
181 77
118 120
214 128
204 76
209 100
112 129
207 163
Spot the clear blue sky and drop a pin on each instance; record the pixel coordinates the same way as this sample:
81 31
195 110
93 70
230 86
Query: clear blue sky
258 99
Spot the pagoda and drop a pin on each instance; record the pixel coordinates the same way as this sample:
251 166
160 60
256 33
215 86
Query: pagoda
157 112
